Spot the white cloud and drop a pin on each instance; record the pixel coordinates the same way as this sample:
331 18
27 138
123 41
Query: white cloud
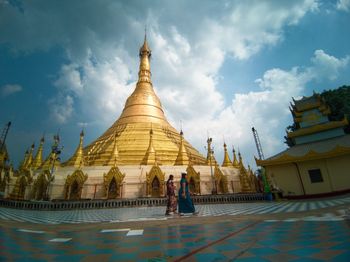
267 110
101 87
61 108
10 89
189 50
70 79
343 5
328 66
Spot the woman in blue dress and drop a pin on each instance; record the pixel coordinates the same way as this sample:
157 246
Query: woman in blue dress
185 201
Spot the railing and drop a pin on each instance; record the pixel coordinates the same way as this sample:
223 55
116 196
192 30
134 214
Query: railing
118 203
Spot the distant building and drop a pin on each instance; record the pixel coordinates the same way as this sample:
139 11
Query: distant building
318 162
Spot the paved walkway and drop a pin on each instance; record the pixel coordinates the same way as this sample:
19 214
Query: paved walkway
315 230
157 213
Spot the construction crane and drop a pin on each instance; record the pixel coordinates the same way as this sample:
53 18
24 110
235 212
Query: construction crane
261 157
258 144
4 135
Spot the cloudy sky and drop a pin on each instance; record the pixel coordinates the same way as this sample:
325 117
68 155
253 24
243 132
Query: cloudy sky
219 67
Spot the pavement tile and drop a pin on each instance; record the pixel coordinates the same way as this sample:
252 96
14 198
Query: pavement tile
98 257
280 257
328 254
274 241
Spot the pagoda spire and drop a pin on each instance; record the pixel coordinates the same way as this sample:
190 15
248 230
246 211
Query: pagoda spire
244 176
25 160
145 67
77 160
210 153
30 157
143 105
115 153
182 157
227 160
235 161
240 159
38 160
150 156
47 164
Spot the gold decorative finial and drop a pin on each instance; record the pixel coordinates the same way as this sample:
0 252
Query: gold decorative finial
39 155
182 157
235 161
77 160
150 156
210 153
227 160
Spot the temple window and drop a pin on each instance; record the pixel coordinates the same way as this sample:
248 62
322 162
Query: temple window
315 176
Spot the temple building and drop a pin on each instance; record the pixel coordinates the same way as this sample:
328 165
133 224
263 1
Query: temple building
131 159
318 161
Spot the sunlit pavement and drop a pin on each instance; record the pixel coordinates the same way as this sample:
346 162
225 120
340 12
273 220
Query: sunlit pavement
315 230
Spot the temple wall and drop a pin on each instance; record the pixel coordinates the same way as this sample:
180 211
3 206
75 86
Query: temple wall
315 188
334 172
286 178
134 184
339 170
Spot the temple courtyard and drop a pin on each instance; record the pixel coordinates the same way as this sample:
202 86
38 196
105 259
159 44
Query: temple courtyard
308 230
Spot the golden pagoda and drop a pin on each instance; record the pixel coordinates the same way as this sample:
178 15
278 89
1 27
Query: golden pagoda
133 158
142 114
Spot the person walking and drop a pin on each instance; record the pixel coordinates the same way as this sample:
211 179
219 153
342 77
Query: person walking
171 206
185 201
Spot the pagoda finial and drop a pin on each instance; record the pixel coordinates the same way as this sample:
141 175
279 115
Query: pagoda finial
235 161
182 157
145 68
227 160
38 160
30 157
77 160
210 154
25 160
150 156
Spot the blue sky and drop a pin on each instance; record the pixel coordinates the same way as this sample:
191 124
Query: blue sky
219 67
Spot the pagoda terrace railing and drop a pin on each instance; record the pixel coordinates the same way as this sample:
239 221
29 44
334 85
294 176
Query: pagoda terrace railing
119 203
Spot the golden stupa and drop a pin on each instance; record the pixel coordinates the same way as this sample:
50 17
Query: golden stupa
142 134
132 159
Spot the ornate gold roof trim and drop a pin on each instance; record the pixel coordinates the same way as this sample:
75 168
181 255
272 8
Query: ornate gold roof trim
318 128
311 155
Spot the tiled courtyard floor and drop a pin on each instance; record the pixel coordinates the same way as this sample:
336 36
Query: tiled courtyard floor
315 230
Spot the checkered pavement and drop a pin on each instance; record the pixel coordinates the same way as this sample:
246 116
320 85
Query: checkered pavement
157 213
